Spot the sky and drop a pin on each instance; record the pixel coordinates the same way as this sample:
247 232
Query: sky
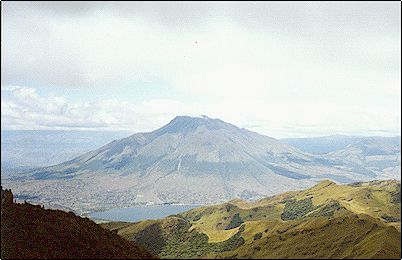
283 69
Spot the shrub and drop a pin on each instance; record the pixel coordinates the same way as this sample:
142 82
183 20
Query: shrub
387 218
242 227
257 236
296 209
396 195
197 217
327 210
235 222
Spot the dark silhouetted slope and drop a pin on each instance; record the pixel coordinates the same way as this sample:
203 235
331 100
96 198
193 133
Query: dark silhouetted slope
29 231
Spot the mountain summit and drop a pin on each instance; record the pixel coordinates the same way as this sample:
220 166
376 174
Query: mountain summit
186 124
193 160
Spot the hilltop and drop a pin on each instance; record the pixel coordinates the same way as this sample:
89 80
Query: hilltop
360 220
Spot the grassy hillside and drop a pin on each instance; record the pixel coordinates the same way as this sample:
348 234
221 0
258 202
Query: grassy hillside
360 220
29 231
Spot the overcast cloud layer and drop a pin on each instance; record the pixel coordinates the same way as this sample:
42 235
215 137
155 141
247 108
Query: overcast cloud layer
281 69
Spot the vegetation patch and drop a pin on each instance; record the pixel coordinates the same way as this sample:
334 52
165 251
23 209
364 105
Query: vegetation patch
182 244
327 210
296 209
151 238
242 227
194 245
355 184
235 222
172 239
387 218
257 236
396 195
228 245
197 217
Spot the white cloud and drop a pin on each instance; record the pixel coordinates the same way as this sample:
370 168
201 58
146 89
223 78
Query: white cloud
283 69
108 46
24 108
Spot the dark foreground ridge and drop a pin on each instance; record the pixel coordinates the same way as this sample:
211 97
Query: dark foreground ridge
30 231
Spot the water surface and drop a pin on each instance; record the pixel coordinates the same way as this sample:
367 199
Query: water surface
139 213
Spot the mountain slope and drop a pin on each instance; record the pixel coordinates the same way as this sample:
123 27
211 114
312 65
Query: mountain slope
378 154
190 160
361 220
320 145
29 231
326 144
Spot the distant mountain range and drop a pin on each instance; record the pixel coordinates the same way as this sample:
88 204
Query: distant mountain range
378 154
21 149
201 160
326 144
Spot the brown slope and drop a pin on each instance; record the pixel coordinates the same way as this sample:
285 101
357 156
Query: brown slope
29 231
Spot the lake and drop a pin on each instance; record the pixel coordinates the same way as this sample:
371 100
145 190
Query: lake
139 213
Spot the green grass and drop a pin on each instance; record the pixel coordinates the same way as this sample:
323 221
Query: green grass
327 221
